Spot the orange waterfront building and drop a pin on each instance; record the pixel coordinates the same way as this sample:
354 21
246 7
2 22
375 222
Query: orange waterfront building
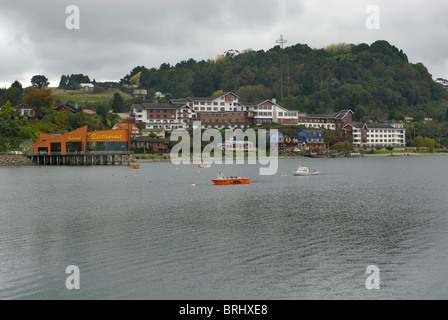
82 142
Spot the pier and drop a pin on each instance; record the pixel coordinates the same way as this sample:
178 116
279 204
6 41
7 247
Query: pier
89 159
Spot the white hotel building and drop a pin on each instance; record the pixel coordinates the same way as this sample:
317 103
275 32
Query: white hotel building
389 134
268 111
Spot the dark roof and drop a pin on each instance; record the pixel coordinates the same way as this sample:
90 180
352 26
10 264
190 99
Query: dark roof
153 130
212 98
68 107
146 106
326 116
180 101
357 125
147 139
379 126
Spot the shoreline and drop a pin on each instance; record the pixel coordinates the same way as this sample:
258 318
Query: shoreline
22 161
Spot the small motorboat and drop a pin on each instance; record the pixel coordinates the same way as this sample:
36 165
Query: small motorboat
223 180
205 165
305 171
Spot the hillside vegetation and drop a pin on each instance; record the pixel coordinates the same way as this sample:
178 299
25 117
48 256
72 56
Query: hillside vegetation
375 79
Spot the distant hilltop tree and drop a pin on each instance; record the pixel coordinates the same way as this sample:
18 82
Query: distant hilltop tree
72 82
40 81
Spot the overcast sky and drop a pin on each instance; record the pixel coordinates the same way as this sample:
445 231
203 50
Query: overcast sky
116 36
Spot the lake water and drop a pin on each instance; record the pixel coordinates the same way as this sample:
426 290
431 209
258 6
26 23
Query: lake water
148 234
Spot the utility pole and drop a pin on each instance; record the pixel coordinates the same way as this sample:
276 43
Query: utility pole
281 41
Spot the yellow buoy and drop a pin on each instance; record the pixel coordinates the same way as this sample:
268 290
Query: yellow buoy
283 176
193 185
286 176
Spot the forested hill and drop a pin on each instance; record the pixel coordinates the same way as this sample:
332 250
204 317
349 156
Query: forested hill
372 80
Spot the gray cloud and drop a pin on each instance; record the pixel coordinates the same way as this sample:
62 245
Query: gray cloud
116 36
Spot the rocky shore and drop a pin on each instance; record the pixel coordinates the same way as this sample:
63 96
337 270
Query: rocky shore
15 160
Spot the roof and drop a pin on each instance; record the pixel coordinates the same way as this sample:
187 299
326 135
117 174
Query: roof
326 116
122 125
357 125
180 101
153 130
146 106
212 98
90 85
147 139
88 111
341 114
67 107
23 106
379 126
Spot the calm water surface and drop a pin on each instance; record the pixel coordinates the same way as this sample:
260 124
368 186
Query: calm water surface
147 234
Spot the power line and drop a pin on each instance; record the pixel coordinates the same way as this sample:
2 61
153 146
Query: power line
281 41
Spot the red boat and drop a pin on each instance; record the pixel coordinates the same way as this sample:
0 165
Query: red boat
223 180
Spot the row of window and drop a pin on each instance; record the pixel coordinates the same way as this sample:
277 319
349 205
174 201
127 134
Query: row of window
159 116
287 114
160 111
203 103
214 109
384 131
317 121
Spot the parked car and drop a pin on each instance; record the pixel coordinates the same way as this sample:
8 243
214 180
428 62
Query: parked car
15 152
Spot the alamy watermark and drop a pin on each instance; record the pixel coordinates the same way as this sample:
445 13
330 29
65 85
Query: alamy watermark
73 281
236 146
373 20
73 21
373 280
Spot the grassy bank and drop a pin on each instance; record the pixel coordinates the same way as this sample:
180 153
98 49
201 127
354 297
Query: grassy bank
86 97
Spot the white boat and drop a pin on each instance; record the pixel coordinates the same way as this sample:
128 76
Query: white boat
305 171
205 165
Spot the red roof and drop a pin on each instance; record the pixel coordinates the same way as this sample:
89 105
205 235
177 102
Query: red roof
121 125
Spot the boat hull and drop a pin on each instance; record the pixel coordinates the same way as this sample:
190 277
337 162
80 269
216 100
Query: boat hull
231 181
301 174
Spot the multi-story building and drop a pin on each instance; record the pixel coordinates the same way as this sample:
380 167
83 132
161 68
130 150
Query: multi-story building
220 111
223 120
268 111
163 115
313 140
373 135
335 121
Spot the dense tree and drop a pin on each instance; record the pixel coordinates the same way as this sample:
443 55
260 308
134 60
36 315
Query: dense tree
40 100
7 111
13 95
127 78
73 81
40 81
18 85
117 103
